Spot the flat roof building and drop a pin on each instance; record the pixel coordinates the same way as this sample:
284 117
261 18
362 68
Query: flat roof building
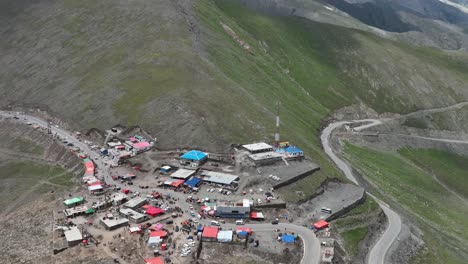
111 223
73 236
72 212
258 147
266 157
182 174
118 198
135 203
219 177
133 215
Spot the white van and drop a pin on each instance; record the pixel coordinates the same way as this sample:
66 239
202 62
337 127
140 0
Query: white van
215 223
240 222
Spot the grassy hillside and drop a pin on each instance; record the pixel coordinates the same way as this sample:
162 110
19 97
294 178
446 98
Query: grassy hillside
440 214
449 168
355 226
21 181
181 69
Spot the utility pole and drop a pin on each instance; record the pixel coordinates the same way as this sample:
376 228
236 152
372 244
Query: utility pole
277 133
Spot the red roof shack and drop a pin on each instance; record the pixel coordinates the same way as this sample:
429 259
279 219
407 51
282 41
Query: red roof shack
321 224
210 233
156 260
154 211
159 233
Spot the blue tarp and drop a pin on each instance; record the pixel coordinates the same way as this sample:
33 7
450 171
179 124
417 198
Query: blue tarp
242 234
194 155
193 182
287 239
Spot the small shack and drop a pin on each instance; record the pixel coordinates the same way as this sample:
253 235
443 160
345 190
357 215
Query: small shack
321 224
193 182
73 236
290 152
165 169
176 183
210 233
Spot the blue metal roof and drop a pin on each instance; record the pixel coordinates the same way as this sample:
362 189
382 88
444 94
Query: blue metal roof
193 182
290 150
293 149
194 155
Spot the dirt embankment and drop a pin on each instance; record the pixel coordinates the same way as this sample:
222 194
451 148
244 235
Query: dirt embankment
27 219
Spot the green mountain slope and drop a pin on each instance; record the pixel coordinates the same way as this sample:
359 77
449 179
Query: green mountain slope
208 73
438 212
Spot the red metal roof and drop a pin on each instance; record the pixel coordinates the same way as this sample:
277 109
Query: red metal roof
160 233
154 211
141 145
321 224
156 260
210 231
177 183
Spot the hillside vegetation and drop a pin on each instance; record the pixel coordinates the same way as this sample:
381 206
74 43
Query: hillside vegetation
439 213
208 73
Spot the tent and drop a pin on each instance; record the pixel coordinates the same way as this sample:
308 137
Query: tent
224 236
321 224
194 155
244 229
135 229
154 241
154 211
287 238
257 215
160 233
156 260
157 227
193 182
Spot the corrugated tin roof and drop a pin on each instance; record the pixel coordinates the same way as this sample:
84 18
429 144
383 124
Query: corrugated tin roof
182 174
218 177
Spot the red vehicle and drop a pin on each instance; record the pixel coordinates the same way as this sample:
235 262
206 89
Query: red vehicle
115 177
126 191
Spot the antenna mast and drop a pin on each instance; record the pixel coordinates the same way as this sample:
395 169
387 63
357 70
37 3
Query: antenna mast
277 133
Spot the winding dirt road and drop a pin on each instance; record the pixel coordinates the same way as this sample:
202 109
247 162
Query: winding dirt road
379 250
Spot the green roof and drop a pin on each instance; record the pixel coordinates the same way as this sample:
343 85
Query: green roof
73 201
89 211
